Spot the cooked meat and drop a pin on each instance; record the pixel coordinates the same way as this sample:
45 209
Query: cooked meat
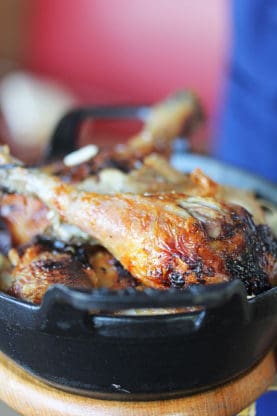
157 227
176 116
5 238
39 268
167 239
156 175
153 175
44 263
25 217
6 279
110 273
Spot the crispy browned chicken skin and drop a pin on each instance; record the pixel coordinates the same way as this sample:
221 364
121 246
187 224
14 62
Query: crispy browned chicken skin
150 235
43 263
166 239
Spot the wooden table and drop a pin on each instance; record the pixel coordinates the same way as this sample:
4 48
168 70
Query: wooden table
31 397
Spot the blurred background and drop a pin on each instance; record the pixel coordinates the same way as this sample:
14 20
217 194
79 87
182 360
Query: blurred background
55 55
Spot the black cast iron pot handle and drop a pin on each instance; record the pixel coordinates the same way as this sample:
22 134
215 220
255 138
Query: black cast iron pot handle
69 310
104 299
65 137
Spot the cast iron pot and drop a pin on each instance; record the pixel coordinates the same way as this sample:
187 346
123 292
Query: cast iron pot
73 342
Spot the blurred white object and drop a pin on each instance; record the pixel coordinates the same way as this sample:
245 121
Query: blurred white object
31 108
81 155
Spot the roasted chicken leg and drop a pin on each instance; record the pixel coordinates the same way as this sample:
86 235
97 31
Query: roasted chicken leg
166 239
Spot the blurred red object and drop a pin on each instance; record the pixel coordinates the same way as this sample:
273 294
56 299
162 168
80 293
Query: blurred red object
130 51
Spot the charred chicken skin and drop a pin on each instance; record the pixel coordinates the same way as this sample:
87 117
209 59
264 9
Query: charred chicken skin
43 263
162 239
114 221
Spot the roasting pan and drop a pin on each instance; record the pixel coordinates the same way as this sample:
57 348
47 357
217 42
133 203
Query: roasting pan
72 341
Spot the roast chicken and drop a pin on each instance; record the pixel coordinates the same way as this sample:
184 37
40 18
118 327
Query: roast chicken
162 239
108 223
